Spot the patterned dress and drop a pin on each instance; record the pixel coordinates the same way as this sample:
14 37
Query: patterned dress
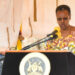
60 43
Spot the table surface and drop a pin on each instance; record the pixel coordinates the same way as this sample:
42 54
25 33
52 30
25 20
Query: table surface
38 51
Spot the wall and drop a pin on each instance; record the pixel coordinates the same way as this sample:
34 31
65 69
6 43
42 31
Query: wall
13 13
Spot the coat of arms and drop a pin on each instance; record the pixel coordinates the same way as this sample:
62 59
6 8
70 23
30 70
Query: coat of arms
35 64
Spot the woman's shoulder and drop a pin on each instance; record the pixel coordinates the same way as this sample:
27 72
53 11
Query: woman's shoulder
72 28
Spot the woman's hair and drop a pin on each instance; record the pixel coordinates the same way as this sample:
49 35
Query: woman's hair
63 7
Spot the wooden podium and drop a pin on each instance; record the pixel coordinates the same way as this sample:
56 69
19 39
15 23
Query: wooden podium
62 62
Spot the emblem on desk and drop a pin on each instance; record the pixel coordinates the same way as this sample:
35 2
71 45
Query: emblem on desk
35 64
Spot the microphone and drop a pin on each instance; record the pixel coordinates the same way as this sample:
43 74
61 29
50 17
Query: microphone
49 37
53 33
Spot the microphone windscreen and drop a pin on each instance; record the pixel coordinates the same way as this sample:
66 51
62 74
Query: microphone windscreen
59 32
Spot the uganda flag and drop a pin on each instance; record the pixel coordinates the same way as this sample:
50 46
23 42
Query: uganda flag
20 38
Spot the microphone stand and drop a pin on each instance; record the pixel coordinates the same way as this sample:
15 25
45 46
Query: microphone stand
51 37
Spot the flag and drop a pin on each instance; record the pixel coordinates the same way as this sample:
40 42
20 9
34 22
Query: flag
19 42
